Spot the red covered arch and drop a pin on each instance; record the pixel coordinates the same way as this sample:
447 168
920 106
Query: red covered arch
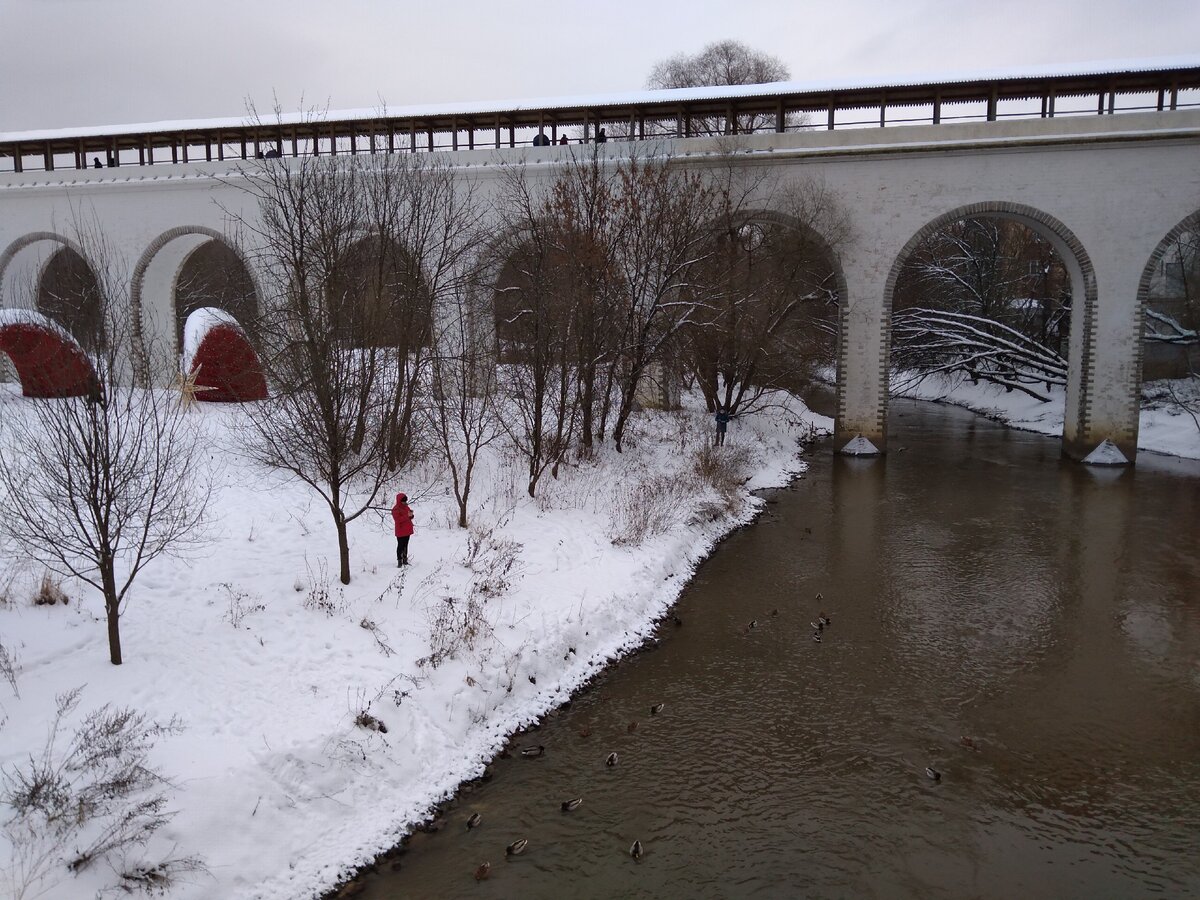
49 362
219 356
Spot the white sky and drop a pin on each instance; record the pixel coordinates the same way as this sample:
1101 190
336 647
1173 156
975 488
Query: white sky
94 62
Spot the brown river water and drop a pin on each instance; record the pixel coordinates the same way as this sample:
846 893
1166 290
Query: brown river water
977 586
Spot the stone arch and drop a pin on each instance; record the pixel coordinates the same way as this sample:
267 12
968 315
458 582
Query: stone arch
25 261
153 291
1190 224
1081 272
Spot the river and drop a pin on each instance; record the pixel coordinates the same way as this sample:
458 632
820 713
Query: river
978 587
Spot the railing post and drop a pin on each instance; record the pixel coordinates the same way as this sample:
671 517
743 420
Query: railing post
937 108
832 111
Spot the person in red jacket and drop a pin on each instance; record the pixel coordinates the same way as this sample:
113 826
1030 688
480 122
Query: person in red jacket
403 517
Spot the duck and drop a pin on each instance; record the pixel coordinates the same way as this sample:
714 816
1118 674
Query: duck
816 637
678 621
635 850
517 847
819 596
571 805
968 742
824 619
932 773
657 708
585 731
816 626
611 760
774 613
483 871
632 727
532 752
753 624
474 821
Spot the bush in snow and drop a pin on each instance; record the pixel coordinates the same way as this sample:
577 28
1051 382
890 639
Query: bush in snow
93 799
648 508
8 669
49 592
725 468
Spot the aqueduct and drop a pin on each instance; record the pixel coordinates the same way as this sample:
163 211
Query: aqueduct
1105 190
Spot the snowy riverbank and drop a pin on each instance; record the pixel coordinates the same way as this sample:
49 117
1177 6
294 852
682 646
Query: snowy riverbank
1163 426
268 663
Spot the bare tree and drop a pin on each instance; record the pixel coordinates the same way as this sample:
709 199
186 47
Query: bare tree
661 247
98 487
534 329
332 410
725 62
462 404
585 216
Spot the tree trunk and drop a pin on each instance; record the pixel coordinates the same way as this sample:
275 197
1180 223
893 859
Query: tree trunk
112 608
343 547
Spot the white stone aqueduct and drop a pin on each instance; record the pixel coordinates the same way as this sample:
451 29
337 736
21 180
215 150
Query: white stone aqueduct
1107 191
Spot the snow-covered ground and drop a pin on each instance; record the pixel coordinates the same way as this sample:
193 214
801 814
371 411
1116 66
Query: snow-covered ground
1163 426
268 662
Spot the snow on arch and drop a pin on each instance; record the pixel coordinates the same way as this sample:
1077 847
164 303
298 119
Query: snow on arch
217 352
49 362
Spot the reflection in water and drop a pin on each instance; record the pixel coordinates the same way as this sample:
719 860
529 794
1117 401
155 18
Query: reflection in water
978 586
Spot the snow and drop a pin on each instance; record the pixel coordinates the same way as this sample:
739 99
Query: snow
1106 454
199 323
623 98
273 783
1163 426
32 317
860 446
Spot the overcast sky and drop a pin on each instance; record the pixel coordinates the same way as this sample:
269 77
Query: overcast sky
92 62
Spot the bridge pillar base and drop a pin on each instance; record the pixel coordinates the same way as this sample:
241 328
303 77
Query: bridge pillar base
854 442
1101 450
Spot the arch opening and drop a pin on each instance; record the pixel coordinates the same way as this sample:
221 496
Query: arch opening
999 295
1169 304
771 317
378 297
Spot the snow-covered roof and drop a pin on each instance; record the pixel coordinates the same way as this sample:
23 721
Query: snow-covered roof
625 98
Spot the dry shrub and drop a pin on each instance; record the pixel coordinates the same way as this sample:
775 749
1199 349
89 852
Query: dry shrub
8 669
648 508
454 623
492 559
50 592
725 469
319 597
91 796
